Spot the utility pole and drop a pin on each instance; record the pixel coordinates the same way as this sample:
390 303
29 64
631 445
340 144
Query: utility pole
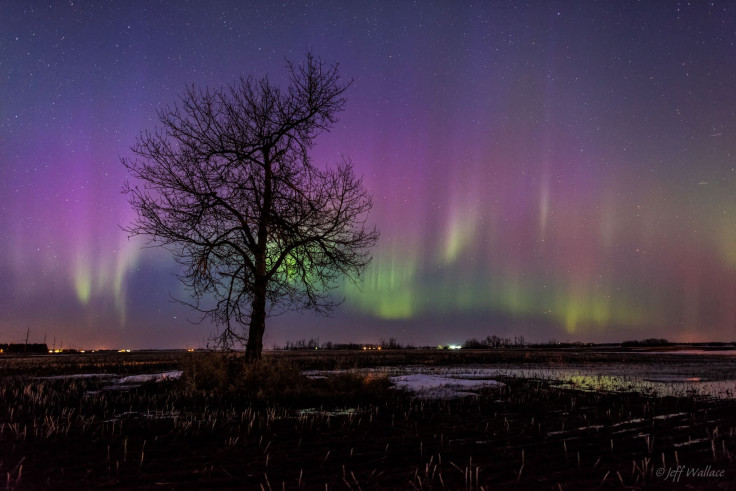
25 348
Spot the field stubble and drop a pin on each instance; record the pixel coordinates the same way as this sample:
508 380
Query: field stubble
270 427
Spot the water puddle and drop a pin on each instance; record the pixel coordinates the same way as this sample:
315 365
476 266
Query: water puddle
116 382
466 380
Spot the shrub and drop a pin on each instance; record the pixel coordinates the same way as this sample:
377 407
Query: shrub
229 371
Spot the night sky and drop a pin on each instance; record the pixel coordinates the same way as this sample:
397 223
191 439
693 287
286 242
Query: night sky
558 170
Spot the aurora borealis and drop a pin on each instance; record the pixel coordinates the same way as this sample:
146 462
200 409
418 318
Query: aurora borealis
549 169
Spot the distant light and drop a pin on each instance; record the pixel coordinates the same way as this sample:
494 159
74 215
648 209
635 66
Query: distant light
454 346
190 349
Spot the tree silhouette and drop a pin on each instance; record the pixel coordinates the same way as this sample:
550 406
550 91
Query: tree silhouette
227 185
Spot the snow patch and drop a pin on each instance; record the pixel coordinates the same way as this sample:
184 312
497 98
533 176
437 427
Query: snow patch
432 386
149 377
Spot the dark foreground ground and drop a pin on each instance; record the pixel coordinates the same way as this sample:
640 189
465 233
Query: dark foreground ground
219 428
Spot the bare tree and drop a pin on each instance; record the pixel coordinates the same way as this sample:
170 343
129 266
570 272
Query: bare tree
228 186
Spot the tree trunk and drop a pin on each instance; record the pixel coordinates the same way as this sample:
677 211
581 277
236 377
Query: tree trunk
257 326
258 310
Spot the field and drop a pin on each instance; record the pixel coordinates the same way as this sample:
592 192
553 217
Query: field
545 419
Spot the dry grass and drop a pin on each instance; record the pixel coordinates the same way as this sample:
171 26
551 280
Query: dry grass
225 424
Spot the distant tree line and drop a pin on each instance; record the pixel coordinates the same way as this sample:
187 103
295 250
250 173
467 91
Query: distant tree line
489 342
563 344
646 342
23 348
313 343
301 344
495 342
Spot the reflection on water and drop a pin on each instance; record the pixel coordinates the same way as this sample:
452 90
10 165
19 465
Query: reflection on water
698 377
626 378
